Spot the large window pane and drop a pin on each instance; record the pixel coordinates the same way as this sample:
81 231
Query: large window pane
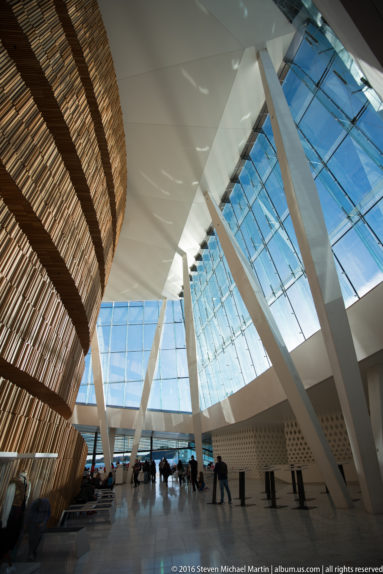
301 300
168 364
149 331
118 339
263 156
374 218
170 395
265 214
133 392
155 395
135 337
356 171
168 336
120 314
287 322
115 394
340 87
151 311
134 370
136 312
105 315
251 184
116 367
359 260
321 129
274 187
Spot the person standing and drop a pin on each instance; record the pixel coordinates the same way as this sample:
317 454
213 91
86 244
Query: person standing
181 472
161 469
37 518
220 470
136 472
153 471
166 471
146 469
193 464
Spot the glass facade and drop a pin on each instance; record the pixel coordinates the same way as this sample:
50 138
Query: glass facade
171 448
125 334
339 120
341 130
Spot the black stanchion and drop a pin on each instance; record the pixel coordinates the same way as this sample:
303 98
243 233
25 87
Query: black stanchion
267 485
273 497
272 490
242 497
242 487
301 493
293 482
214 495
301 489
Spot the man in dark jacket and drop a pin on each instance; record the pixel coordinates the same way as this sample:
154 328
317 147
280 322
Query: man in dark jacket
193 465
220 470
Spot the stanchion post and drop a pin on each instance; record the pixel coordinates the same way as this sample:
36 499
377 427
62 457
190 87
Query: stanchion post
272 494
293 482
301 489
267 484
242 487
272 490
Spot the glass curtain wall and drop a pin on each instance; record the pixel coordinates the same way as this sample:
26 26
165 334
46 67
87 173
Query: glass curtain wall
125 333
340 123
339 120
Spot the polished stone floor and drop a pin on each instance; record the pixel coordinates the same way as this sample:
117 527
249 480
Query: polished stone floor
159 529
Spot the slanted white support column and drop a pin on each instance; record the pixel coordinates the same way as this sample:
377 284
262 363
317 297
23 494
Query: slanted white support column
191 353
140 419
274 344
375 394
100 399
310 228
112 438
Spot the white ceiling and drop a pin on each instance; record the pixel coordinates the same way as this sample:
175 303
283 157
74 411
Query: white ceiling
190 93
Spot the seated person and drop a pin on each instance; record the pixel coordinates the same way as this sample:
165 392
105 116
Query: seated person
201 482
109 482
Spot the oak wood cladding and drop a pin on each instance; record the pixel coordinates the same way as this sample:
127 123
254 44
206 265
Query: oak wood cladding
62 201
102 75
17 45
49 256
28 425
39 347
83 71
63 183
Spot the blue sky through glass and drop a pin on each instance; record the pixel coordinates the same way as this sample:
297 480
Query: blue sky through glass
342 136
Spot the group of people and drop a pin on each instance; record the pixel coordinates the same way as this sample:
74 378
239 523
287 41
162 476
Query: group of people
148 468
186 473
189 474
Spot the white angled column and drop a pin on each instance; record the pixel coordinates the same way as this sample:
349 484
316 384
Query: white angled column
310 228
280 358
100 400
191 353
375 395
112 440
140 418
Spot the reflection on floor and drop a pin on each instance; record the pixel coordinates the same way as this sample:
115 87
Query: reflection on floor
161 529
